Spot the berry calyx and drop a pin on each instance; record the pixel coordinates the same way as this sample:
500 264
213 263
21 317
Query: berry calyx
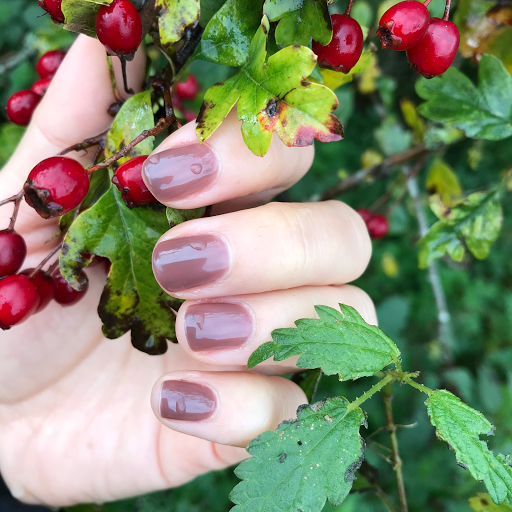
44 284
13 251
189 89
55 186
21 106
403 25
54 9
345 48
48 64
378 226
19 299
65 294
128 179
435 52
41 85
365 214
119 27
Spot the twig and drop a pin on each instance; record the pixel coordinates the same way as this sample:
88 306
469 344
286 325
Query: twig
17 202
86 144
192 38
397 461
52 253
11 199
384 498
127 89
15 59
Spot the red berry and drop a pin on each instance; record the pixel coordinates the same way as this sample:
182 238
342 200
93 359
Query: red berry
21 106
55 186
128 179
378 226
188 90
345 48
118 27
365 214
53 8
41 85
44 284
403 25
435 52
48 64
13 250
65 294
18 300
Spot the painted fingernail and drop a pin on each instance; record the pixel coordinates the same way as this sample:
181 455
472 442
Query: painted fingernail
190 262
217 326
180 172
186 401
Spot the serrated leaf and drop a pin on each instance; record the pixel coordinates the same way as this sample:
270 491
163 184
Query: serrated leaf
175 217
80 15
262 353
273 97
461 427
443 181
299 20
484 112
339 342
476 221
174 16
483 503
304 463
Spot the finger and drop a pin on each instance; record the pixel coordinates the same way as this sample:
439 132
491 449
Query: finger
224 407
186 174
227 330
274 247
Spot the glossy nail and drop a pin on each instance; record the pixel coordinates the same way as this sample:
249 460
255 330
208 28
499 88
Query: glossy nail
186 401
190 262
180 172
217 326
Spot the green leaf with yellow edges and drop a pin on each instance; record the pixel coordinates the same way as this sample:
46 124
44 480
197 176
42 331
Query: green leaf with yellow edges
174 16
442 180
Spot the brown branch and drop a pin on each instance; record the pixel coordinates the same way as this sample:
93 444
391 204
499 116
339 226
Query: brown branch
17 202
86 144
50 255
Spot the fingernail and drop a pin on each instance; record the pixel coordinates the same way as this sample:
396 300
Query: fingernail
190 262
180 172
187 401
217 326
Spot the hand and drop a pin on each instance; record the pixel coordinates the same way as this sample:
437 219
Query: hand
75 418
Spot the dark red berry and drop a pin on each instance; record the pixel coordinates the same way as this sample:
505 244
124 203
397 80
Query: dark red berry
53 8
18 300
13 251
403 25
65 294
118 27
188 90
48 64
21 106
128 179
435 52
345 48
41 85
365 214
55 186
44 284
378 226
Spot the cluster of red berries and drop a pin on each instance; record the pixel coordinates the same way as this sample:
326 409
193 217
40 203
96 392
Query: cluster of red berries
377 225
187 91
21 105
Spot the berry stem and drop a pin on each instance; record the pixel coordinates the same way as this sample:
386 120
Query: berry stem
349 7
11 199
447 10
52 253
426 2
53 267
125 77
17 202
87 143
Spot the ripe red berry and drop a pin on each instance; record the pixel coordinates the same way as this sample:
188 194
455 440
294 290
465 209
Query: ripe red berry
188 90
378 226
41 85
403 25
21 106
128 179
345 48
13 250
44 284
65 294
53 8
18 300
118 27
48 64
435 52
55 186
365 214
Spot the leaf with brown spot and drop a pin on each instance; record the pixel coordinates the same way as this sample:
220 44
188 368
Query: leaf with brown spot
174 16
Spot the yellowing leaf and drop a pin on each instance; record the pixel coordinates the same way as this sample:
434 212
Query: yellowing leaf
174 16
390 265
412 118
483 503
443 181
367 83
335 79
370 158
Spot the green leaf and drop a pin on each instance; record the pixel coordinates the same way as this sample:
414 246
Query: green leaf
299 20
442 180
132 299
273 97
304 463
461 426
309 384
174 16
175 217
262 353
228 35
476 221
80 15
338 343
484 112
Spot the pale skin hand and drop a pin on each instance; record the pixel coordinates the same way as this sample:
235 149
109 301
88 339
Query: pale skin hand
76 419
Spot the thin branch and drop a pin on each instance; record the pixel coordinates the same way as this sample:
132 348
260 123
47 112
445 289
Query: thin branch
384 498
17 203
12 61
52 253
447 10
86 144
11 199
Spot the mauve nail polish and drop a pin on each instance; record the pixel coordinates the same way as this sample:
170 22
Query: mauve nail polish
217 326
190 262
180 172
187 401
